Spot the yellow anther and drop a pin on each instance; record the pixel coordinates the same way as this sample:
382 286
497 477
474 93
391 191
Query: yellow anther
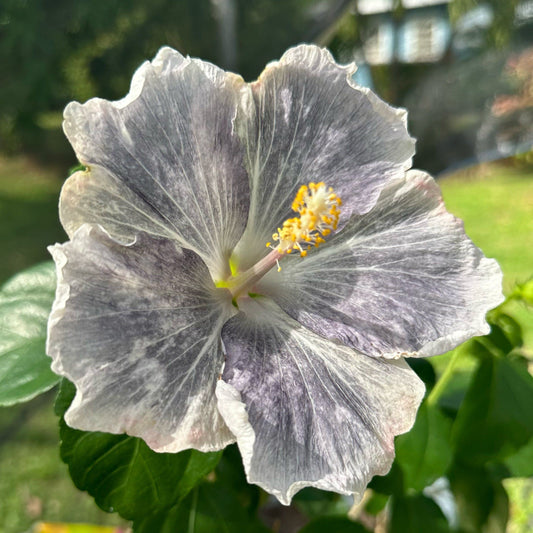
318 210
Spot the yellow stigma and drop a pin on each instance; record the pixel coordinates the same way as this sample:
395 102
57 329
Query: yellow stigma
318 210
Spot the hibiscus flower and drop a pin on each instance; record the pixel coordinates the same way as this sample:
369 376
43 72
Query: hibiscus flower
251 263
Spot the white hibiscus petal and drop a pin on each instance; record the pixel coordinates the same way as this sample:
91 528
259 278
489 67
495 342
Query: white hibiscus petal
168 155
95 197
306 411
307 121
137 329
401 280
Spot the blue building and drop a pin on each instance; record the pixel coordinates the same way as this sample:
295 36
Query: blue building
421 34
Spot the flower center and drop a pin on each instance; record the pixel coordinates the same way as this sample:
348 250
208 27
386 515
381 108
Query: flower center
318 208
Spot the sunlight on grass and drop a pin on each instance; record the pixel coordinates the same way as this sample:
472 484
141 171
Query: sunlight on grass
496 204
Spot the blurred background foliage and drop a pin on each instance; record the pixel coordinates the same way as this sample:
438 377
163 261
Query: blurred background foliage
469 92
57 51
52 52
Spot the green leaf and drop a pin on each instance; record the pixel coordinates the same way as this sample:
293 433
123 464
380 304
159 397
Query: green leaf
64 398
416 513
210 507
496 343
224 503
389 484
511 329
424 454
495 418
455 371
25 303
505 335
482 503
337 524
122 473
454 394
230 473
424 370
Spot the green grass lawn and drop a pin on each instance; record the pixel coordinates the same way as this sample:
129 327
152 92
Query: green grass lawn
496 205
495 202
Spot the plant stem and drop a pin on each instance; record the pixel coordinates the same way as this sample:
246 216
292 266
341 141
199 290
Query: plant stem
441 384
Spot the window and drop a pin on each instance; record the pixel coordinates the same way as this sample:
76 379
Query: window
423 36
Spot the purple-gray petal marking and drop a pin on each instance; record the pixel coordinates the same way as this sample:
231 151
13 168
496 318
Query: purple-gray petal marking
165 159
305 120
401 280
306 411
137 329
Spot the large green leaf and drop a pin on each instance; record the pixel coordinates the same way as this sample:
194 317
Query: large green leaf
424 453
224 503
25 303
495 418
210 507
122 473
